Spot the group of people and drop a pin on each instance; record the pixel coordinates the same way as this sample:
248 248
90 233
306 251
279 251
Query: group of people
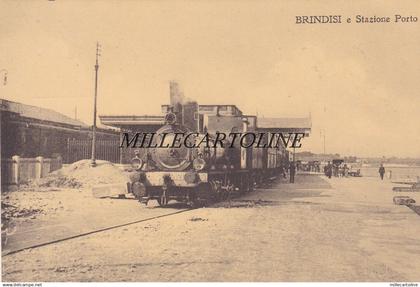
337 170
342 169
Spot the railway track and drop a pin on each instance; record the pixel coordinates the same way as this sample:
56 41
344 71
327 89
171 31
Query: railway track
82 234
233 201
230 203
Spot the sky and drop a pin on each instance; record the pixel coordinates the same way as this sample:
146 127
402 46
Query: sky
358 82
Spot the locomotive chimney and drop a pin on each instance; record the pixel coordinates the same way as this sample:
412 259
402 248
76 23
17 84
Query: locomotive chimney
186 111
175 94
175 100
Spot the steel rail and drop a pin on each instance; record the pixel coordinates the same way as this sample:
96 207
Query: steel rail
95 231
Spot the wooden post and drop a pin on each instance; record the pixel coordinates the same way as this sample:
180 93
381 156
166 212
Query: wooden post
15 169
38 167
68 151
121 149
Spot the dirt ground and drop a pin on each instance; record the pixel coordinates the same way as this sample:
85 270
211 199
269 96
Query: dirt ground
40 217
63 197
318 229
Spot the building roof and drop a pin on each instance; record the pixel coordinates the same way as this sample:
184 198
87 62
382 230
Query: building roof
284 123
138 120
38 113
278 124
213 109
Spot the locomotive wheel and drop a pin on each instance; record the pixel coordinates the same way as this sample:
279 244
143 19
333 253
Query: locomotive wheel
244 185
216 189
205 194
193 200
250 183
139 190
162 201
223 195
229 190
250 186
196 203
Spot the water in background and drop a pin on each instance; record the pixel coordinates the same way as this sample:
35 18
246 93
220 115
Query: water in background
398 172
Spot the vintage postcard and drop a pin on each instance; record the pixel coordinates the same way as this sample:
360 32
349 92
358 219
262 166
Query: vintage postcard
210 141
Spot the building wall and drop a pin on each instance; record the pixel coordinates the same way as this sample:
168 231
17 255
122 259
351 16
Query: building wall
30 138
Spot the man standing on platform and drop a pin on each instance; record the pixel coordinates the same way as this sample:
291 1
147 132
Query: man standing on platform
381 171
292 170
328 170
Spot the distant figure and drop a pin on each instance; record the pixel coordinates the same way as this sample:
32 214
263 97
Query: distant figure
292 170
328 170
335 170
340 170
381 171
346 170
282 171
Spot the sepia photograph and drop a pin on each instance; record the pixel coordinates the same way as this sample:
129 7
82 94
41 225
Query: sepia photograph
210 141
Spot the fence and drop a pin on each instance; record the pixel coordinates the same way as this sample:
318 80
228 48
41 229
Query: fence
106 149
19 170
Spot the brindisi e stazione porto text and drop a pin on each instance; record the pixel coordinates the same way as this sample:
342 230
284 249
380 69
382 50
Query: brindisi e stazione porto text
358 19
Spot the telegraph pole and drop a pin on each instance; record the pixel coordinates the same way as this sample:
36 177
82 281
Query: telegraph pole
5 76
93 161
323 134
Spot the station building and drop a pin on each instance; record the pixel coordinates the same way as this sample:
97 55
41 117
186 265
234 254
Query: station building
30 131
207 119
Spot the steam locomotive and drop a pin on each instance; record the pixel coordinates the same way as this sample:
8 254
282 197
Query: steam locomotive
202 174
